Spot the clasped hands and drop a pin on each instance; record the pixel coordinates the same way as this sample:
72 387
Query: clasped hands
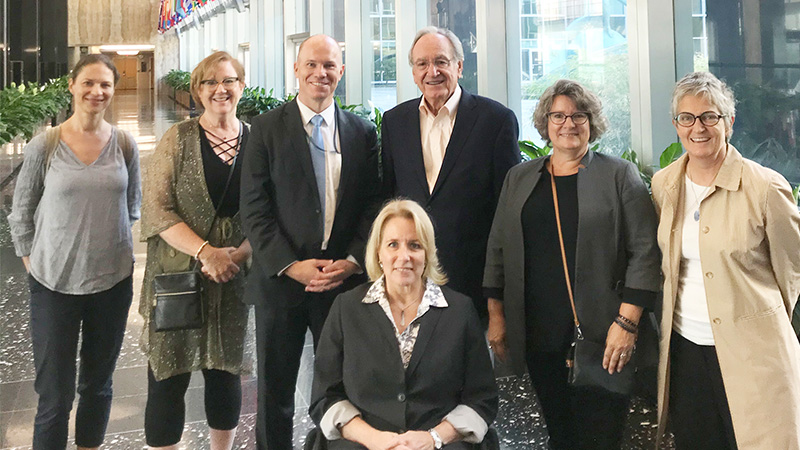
220 265
320 275
410 440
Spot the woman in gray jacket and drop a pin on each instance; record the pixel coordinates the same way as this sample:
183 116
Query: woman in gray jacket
609 235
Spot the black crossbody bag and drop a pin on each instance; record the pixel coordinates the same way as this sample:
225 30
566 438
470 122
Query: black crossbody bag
178 296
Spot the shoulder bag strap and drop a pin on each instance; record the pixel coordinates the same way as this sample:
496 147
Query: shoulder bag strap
564 254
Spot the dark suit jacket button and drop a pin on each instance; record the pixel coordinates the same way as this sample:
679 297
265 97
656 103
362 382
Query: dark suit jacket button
401 397
318 211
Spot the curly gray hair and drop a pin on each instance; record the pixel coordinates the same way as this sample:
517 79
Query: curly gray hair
584 99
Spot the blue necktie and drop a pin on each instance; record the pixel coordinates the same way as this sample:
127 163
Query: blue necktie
318 159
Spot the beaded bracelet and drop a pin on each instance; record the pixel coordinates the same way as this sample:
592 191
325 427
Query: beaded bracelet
626 326
202 246
628 321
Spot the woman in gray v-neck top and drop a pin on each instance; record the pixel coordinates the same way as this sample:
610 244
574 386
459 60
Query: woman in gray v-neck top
71 223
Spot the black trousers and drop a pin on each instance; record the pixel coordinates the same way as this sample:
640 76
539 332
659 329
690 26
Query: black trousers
58 321
165 413
698 406
577 418
280 335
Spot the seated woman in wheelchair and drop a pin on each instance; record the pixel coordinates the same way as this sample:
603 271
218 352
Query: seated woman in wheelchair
402 362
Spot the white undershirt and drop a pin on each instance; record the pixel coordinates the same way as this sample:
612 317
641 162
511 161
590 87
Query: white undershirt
691 318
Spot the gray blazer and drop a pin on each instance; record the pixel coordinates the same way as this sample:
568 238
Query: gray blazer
616 248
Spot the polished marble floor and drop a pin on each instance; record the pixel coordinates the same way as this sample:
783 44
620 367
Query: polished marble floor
519 423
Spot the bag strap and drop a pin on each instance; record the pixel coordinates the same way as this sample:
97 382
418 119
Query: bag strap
52 138
224 191
564 253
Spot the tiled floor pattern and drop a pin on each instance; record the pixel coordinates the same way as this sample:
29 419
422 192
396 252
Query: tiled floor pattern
519 423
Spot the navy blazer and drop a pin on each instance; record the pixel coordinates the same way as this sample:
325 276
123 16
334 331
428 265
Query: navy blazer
280 207
358 359
482 148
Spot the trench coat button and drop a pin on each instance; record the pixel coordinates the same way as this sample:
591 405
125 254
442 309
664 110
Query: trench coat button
709 275
706 230
717 320
172 253
317 211
401 397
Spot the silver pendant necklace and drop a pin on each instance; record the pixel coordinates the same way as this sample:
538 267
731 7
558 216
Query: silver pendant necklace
697 198
403 313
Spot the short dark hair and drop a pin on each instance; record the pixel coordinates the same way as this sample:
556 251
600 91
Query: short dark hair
94 58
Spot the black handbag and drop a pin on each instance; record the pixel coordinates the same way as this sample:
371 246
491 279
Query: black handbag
585 357
178 296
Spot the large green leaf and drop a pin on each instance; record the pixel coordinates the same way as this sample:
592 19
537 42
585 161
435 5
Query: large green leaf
670 154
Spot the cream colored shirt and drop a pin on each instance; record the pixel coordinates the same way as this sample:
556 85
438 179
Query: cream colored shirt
435 131
333 160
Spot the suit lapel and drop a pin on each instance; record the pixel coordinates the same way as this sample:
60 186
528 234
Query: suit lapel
346 132
426 330
384 328
298 136
414 153
465 120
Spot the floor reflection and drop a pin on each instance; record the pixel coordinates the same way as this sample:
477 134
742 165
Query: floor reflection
519 423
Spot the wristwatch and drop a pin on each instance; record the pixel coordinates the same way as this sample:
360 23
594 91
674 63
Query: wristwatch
437 440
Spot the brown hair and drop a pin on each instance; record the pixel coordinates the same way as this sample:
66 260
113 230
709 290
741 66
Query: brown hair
584 99
208 64
94 58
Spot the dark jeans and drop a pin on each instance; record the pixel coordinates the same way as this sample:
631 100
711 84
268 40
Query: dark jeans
698 406
165 412
57 322
280 335
576 418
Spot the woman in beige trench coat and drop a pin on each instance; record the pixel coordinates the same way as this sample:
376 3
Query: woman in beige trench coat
729 374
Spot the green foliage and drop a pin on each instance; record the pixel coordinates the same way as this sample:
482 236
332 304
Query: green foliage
23 108
531 151
796 194
255 100
178 80
670 154
645 171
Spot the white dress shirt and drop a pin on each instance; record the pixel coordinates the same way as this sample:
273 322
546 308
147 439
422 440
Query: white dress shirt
333 160
435 131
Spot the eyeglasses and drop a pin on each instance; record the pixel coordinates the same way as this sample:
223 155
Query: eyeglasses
227 82
708 118
559 118
422 65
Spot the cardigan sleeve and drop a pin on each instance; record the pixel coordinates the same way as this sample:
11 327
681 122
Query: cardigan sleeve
643 272
134 193
159 207
494 273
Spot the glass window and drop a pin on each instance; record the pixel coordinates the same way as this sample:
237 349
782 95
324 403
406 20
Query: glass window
338 34
584 41
761 63
384 63
459 17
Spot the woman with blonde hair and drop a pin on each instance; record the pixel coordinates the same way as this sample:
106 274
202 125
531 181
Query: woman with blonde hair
190 212
402 360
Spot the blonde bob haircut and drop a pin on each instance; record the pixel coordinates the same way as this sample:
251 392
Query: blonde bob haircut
208 66
407 209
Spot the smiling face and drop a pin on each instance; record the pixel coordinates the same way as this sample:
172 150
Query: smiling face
568 137
318 70
220 100
436 81
401 254
92 88
701 141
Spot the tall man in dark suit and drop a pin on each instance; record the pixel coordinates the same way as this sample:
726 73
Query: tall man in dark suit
310 187
450 150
